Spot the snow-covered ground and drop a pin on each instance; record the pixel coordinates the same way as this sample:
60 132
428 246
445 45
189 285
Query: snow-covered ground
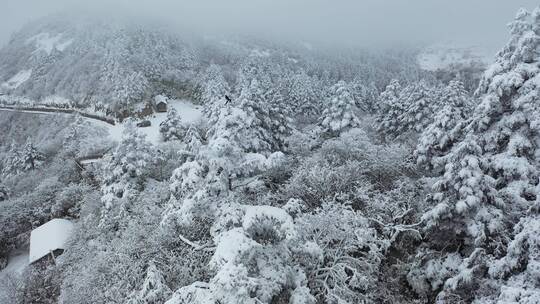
47 42
187 111
442 56
17 262
17 79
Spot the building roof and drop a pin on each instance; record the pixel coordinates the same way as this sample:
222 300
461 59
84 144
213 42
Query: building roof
160 99
49 237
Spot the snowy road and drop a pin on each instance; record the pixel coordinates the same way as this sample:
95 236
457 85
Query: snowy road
189 113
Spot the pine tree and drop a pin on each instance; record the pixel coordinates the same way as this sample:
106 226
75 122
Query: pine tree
366 96
245 123
447 126
490 180
302 94
129 164
126 172
341 110
214 91
391 108
421 103
154 289
30 157
172 128
278 119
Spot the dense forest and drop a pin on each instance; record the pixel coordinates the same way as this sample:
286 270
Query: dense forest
313 175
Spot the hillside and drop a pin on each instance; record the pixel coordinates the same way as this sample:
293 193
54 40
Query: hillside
116 66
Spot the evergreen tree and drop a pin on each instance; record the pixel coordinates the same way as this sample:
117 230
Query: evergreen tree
421 103
154 289
341 110
302 94
214 91
279 120
126 172
366 96
172 128
447 126
391 108
30 157
490 180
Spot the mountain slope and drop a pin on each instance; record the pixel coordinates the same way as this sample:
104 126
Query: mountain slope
112 65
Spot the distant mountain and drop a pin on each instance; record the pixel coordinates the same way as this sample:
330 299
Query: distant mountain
115 65
93 61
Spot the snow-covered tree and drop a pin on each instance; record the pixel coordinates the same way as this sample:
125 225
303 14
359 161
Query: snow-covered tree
126 171
253 260
341 110
278 119
339 273
421 102
245 126
303 97
214 90
27 158
391 108
154 289
365 95
407 110
172 128
447 126
490 178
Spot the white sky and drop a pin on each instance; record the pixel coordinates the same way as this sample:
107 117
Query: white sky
365 22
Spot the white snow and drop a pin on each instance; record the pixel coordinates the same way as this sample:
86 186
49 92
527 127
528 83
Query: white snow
62 46
47 42
255 212
17 80
49 237
442 56
90 161
17 262
188 112
161 98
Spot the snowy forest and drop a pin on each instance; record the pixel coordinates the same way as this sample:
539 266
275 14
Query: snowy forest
140 165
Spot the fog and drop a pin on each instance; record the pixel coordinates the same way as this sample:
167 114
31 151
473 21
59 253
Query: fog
361 22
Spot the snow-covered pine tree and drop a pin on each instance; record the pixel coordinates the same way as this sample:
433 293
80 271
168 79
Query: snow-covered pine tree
245 123
30 157
490 181
12 161
154 289
447 126
126 172
421 102
279 119
366 96
302 94
172 128
214 91
391 108
341 110
128 166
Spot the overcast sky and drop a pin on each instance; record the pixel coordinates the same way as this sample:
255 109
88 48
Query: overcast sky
365 22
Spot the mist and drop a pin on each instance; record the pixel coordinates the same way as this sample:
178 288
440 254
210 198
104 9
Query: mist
346 22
